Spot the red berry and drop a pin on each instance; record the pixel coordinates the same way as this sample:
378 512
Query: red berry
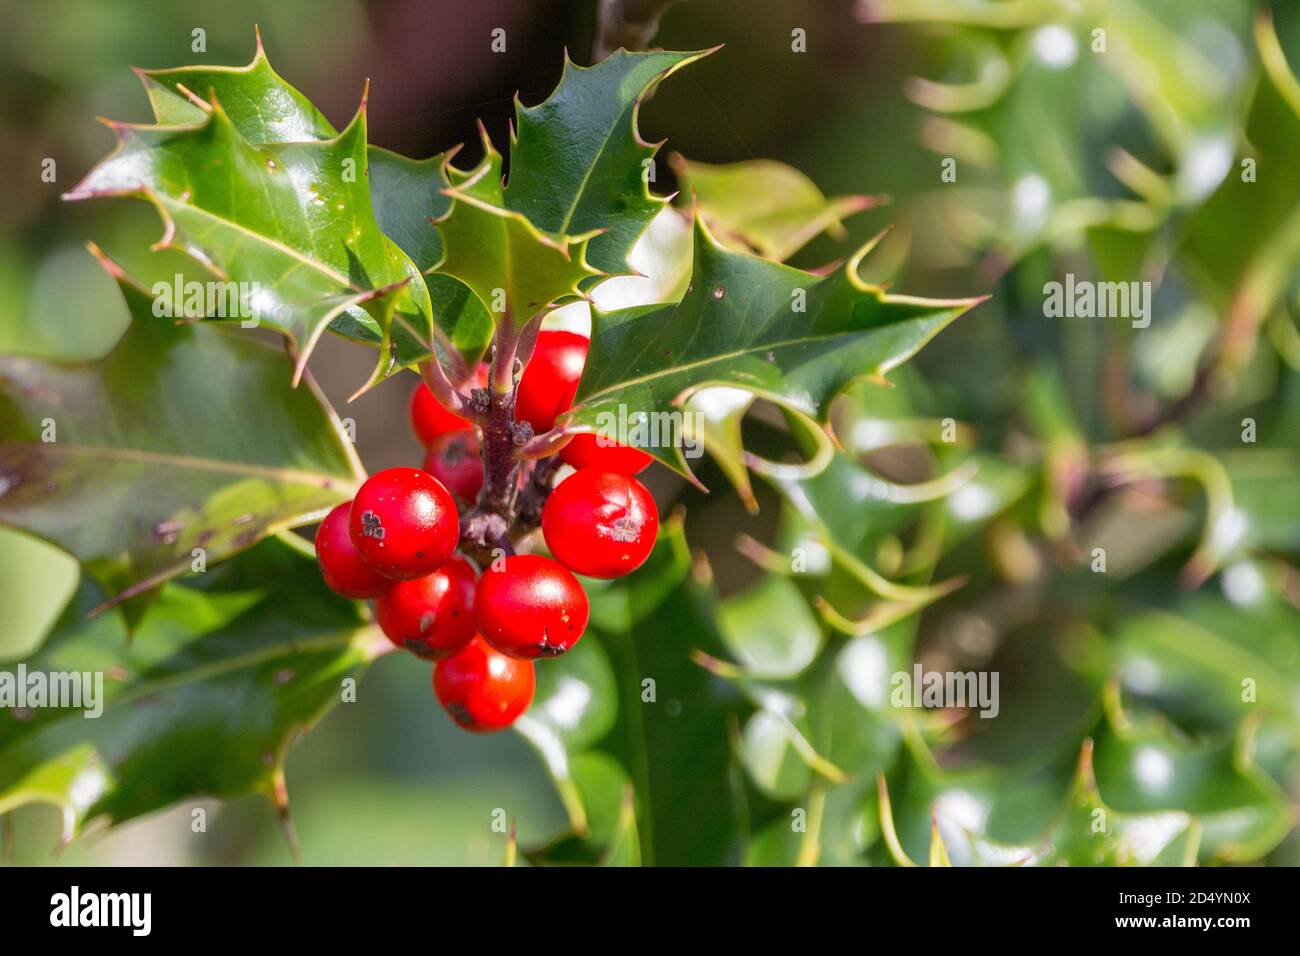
484 690
432 616
588 450
530 606
340 565
404 523
600 523
551 378
429 418
454 460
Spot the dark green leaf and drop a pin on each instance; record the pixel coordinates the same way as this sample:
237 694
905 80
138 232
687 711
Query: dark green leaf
578 163
228 669
791 337
164 446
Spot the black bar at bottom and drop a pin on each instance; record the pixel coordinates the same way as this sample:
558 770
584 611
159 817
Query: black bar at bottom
217 905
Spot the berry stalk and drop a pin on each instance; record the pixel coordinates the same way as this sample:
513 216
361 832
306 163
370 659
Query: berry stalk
486 528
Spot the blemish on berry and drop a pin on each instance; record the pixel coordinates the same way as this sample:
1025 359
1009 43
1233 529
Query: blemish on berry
418 648
371 526
454 453
626 529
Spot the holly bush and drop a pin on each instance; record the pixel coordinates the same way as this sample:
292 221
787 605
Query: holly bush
1029 599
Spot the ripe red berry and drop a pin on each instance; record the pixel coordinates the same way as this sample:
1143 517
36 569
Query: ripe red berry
588 450
600 523
551 378
404 523
482 689
432 616
454 460
340 565
530 606
429 418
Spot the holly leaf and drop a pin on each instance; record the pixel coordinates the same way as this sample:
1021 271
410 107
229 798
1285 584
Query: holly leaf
770 629
162 450
408 194
578 164
1144 766
229 668
634 708
764 206
574 707
264 107
1250 275
514 268
791 337
293 223
954 811
36 581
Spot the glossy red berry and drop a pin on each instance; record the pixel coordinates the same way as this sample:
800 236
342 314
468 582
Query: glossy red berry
340 565
403 523
429 418
432 616
600 523
483 690
454 460
530 606
589 450
551 378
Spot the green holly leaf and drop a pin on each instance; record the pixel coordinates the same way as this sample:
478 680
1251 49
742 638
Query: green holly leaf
770 629
308 250
407 193
963 817
816 743
574 707
1144 766
1249 276
162 451
764 206
578 164
791 337
228 669
36 581
1207 662
264 107
515 269
634 708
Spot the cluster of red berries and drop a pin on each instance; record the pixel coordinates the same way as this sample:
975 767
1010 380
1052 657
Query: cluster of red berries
395 542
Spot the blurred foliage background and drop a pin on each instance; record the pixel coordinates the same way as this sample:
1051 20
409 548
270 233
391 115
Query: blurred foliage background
1114 165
